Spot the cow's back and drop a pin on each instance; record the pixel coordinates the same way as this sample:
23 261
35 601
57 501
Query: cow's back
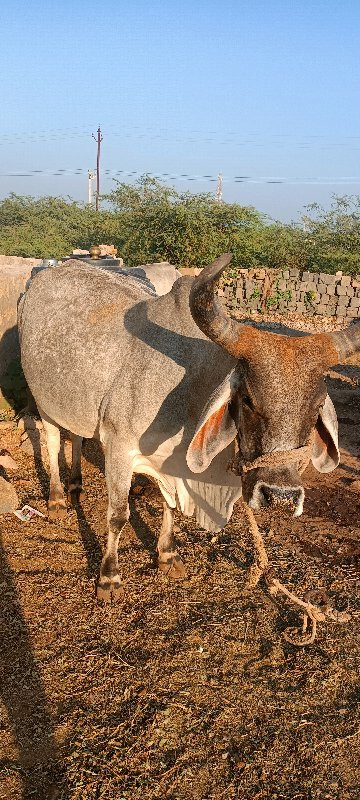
93 341
72 341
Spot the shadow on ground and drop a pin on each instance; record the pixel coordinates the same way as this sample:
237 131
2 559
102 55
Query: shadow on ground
23 696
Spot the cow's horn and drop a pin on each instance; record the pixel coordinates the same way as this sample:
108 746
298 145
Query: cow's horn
347 341
206 309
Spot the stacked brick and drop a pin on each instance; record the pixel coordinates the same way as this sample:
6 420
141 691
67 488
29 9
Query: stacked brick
292 291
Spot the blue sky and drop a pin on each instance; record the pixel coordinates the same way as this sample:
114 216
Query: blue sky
267 90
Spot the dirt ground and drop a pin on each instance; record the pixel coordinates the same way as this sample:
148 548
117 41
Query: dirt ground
185 690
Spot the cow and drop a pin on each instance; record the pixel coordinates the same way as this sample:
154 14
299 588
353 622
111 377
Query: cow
161 275
175 389
158 276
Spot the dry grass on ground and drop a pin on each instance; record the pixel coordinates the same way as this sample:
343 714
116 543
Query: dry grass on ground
187 690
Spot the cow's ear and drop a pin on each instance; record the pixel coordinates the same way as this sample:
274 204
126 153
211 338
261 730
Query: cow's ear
325 453
216 428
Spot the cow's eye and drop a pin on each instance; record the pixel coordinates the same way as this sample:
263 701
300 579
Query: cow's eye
248 402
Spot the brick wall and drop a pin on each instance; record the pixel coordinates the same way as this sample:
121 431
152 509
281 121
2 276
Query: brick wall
290 290
14 272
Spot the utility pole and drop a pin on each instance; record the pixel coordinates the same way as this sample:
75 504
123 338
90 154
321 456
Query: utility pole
98 138
90 191
218 194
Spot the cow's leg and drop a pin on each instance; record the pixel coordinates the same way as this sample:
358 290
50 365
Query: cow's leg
169 561
118 478
57 502
75 490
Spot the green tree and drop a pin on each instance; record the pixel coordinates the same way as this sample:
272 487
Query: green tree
149 221
49 226
334 235
153 222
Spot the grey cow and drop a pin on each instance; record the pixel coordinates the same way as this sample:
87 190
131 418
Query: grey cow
174 388
161 274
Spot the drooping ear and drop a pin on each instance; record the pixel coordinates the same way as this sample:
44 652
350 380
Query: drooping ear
216 428
325 453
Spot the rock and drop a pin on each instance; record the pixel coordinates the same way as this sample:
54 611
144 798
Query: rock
26 447
7 461
9 500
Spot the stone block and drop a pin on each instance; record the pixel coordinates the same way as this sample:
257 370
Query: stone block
352 312
340 290
282 284
286 274
354 302
294 273
330 289
7 462
349 291
321 309
301 308
329 280
345 280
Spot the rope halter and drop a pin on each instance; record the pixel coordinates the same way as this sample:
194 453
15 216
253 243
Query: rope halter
299 456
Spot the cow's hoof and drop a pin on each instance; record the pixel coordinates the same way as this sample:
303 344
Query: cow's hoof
108 591
57 510
172 566
76 494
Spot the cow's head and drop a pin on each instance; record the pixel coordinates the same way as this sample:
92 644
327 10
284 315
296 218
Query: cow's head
274 402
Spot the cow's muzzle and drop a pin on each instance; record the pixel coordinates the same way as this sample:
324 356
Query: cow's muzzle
289 499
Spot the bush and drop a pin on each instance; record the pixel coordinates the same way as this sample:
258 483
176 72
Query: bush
153 222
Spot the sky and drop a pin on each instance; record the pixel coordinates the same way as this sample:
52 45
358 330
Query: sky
262 91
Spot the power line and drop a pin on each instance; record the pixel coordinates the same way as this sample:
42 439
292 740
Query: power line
296 140
327 181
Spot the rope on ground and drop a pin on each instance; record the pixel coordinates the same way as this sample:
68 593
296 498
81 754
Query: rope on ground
312 612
